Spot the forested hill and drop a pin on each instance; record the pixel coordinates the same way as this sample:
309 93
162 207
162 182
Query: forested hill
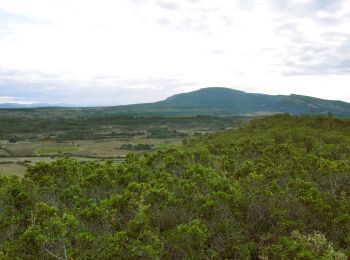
206 101
229 101
278 188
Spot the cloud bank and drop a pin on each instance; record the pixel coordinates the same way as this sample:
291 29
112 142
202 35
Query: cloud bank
105 52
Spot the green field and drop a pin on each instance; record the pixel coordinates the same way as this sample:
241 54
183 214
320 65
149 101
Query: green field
55 149
96 137
3 153
7 169
13 156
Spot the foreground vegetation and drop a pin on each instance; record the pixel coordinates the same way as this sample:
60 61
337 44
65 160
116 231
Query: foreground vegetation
276 189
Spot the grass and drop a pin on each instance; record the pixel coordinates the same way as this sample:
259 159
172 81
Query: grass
108 148
8 169
55 149
3 153
95 148
21 148
35 159
38 143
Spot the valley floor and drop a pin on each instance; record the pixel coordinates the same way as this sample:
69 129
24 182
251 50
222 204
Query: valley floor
25 141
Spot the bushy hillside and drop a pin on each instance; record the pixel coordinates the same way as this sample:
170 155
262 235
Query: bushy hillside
276 189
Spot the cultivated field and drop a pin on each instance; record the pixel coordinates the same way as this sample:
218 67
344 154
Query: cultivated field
7 169
24 141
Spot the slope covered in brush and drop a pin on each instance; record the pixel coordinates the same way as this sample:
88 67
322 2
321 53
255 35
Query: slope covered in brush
278 188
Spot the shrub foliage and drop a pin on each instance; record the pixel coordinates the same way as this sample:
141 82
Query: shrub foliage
278 188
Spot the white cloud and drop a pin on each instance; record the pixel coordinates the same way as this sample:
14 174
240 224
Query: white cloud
101 48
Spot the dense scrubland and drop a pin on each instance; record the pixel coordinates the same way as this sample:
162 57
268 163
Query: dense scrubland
278 188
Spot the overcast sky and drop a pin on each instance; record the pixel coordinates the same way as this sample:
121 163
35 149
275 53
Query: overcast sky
103 52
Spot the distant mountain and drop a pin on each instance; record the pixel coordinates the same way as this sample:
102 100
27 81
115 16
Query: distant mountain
18 105
206 101
33 105
226 101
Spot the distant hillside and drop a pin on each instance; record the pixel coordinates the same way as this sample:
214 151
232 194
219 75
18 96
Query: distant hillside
33 105
226 101
229 101
206 101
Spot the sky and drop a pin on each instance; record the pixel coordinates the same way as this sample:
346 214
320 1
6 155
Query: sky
115 52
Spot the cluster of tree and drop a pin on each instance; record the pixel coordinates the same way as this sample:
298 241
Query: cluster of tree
25 123
76 127
163 132
126 134
13 139
137 147
276 189
76 135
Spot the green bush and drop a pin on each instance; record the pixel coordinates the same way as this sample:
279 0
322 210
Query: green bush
237 194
